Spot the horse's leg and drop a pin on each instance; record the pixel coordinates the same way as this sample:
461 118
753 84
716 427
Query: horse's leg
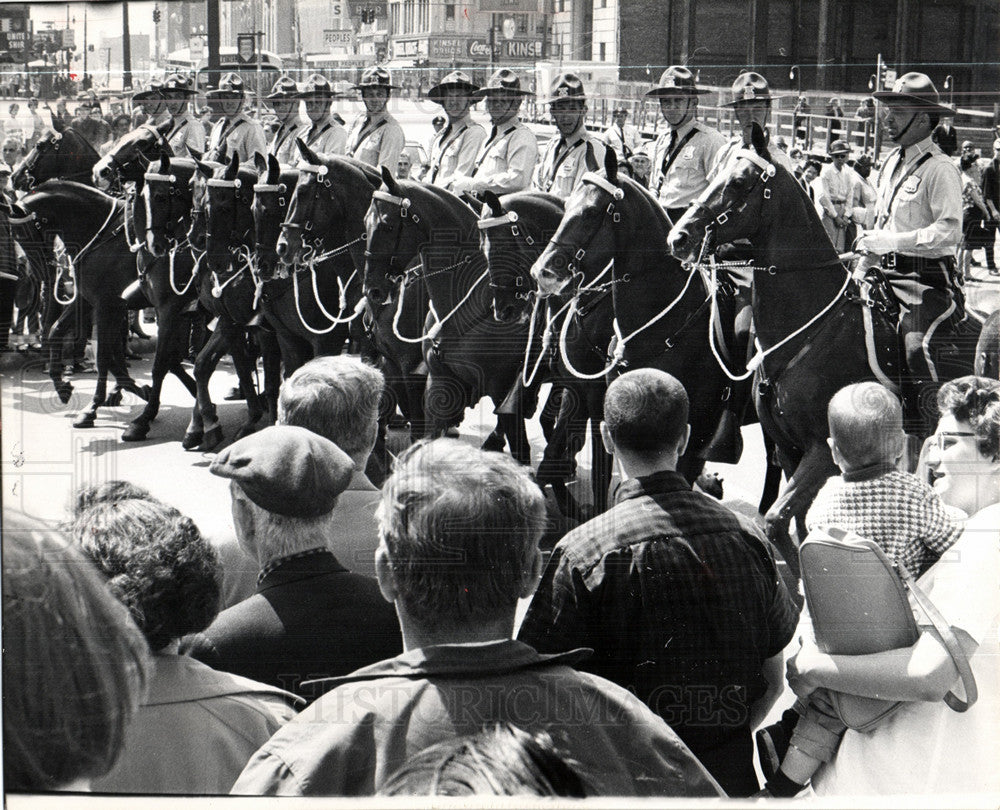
117 364
168 338
205 432
271 358
244 361
566 431
108 319
803 484
56 340
772 476
601 460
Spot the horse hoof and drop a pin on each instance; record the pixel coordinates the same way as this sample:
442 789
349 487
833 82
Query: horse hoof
213 438
135 433
710 484
64 391
84 420
114 399
192 440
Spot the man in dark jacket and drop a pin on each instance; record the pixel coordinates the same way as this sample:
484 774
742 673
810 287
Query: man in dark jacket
991 194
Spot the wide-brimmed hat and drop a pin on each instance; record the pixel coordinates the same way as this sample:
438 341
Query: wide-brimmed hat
676 80
177 84
749 86
916 91
566 86
376 77
839 148
503 82
230 87
150 93
458 79
318 86
285 89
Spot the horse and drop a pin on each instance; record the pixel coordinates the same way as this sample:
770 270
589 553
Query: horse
815 333
91 225
661 311
514 230
305 327
470 354
331 199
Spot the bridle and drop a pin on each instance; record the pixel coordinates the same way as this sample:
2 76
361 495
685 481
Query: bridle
122 168
236 240
522 240
54 143
405 214
173 221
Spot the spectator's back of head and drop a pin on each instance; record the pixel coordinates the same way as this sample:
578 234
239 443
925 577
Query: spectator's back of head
866 426
107 491
157 564
503 761
460 529
646 413
336 397
74 663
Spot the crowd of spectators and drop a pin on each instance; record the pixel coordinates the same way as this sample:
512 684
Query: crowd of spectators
416 640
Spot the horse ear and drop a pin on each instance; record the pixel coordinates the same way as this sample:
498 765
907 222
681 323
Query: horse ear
493 201
273 169
203 168
758 138
308 155
194 153
164 163
165 126
389 180
223 153
591 160
233 168
58 124
611 165
259 163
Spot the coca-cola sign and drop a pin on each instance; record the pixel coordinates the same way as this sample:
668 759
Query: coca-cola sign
479 49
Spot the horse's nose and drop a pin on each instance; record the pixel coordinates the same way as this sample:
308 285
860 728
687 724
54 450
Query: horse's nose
281 248
677 240
503 314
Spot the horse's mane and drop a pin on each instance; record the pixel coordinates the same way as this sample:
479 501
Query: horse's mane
533 201
454 207
56 186
350 166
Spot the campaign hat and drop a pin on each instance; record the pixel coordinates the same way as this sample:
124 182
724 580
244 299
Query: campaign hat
915 91
503 82
230 87
676 80
457 78
177 84
749 86
318 85
376 77
566 86
285 89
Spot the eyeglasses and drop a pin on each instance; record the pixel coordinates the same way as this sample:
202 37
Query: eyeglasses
945 440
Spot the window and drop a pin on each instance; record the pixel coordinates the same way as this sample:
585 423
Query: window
449 12
604 51
604 3
562 5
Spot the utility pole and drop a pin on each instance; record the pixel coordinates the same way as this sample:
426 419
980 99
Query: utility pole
212 41
84 42
126 49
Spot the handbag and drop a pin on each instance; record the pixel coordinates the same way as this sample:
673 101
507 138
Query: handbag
858 603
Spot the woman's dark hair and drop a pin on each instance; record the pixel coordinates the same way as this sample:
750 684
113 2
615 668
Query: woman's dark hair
502 761
115 490
74 663
157 564
975 400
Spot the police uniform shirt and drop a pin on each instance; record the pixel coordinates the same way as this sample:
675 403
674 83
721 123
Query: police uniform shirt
506 162
187 133
726 158
925 215
376 140
453 151
328 137
561 168
242 135
687 175
282 145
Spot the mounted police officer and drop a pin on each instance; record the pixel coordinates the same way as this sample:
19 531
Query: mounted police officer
376 138
684 154
918 226
150 102
506 160
187 131
752 104
575 152
325 134
456 144
238 132
284 102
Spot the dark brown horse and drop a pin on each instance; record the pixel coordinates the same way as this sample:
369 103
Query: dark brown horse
814 334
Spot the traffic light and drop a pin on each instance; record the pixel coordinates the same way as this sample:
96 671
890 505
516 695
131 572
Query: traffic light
156 14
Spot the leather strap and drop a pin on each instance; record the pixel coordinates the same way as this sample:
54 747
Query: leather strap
668 160
951 643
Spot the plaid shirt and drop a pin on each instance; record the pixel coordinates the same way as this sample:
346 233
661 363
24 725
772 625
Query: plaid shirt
895 509
681 601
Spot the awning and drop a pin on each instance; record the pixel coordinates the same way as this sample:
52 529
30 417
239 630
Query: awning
400 64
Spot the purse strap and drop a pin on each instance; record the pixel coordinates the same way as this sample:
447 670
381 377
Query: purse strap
951 644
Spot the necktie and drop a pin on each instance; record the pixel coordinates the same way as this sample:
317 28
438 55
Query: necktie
669 152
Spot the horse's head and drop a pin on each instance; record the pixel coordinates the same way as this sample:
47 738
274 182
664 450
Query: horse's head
511 245
228 213
731 207
132 153
395 234
272 192
167 196
63 154
204 171
585 241
315 210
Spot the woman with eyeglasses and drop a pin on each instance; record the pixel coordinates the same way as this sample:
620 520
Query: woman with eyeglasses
926 747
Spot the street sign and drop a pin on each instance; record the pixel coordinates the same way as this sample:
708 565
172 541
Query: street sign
196 46
890 77
246 48
338 38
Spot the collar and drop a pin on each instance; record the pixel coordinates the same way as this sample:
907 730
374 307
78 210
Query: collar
657 483
579 134
916 150
458 123
361 483
868 473
374 119
182 679
507 126
308 563
685 128
488 658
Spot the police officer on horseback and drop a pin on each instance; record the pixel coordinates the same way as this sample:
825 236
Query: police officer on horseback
455 146
751 101
575 152
149 102
187 131
684 154
506 161
284 103
918 226
376 138
236 132
325 134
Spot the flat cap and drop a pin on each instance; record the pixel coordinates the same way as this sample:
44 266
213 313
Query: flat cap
287 470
